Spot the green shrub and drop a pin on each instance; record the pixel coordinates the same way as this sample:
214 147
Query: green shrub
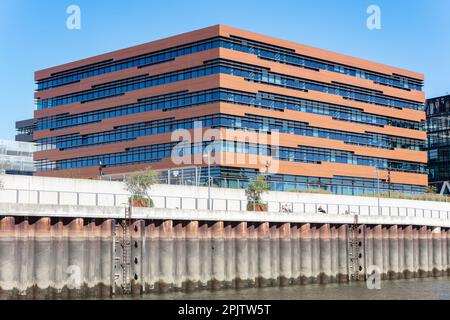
141 201
254 191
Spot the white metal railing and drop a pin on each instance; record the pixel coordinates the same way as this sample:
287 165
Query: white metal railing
26 196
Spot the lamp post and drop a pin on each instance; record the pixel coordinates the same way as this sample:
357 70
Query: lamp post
100 168
378 189
378 179
208 155
389 182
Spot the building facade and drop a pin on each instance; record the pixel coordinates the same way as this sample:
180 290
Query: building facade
25 129
314 118
438 130
17 157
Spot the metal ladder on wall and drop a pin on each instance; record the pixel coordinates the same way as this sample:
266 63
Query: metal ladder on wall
354 252
117 231
122 258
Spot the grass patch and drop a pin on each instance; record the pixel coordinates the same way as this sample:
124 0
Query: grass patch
320 191
421 196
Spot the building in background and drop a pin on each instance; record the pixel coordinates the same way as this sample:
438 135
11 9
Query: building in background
17 157
25 129
438 130
345 124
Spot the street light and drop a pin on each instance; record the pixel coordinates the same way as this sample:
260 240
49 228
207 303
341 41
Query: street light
208 155
389 182
378 189
100 168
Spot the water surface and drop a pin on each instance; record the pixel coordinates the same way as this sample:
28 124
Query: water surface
425 288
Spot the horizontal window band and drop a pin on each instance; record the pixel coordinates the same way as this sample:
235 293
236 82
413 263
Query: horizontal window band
264 51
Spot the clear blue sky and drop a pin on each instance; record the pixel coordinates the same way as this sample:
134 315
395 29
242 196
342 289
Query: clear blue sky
415 34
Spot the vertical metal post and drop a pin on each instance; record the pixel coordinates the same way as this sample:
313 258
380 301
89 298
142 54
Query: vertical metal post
142 254
113 255
209 181
196 177
378 189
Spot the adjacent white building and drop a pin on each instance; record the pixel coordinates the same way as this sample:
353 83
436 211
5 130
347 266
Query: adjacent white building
16 157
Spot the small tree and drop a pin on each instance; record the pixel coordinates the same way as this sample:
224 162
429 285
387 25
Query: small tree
254 191
138 185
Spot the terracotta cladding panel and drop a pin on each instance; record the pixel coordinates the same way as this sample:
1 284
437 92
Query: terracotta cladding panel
56 154
322 75
329 170
193 85
228 31
286 140
290 140
111 123
319 121
92 172
325 170
232 82
322 121
157 45
179 63
320 53
183 62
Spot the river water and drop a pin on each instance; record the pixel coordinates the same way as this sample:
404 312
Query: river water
425 288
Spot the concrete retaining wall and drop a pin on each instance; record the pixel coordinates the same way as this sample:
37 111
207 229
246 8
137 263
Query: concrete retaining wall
43 257
64 191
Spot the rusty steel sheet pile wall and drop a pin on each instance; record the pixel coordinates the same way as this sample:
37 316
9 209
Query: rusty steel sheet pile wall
42 257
